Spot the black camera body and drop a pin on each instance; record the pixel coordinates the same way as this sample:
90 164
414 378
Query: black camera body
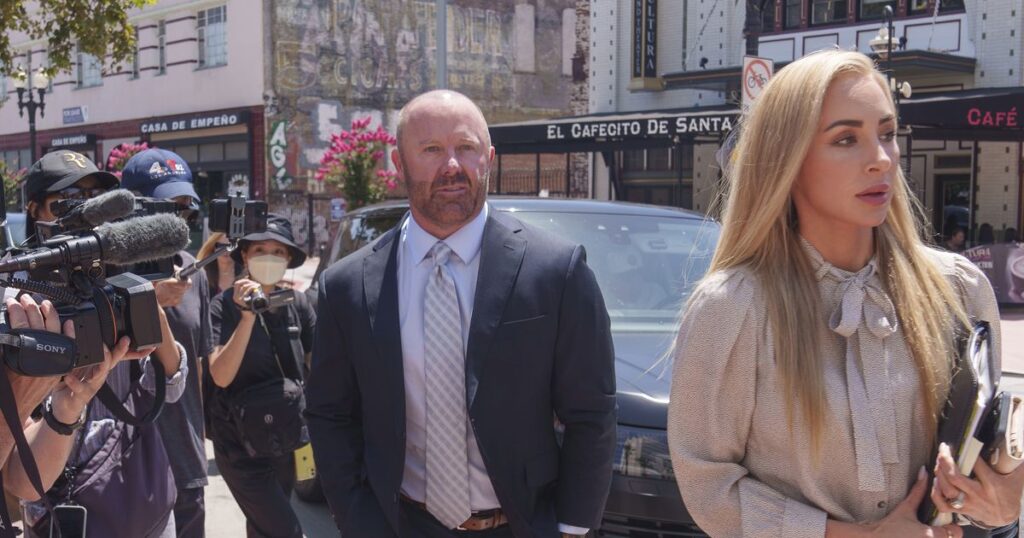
260 302
102 312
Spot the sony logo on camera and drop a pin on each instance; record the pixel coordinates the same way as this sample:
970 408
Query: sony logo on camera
50 348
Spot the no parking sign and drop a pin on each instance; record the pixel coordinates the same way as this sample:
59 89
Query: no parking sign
756 74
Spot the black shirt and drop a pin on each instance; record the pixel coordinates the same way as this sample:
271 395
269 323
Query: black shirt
181 423
258 363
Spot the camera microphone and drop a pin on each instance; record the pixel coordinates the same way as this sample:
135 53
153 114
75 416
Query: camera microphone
104 208
120 243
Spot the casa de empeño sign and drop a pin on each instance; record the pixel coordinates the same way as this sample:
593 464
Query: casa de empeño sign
196 121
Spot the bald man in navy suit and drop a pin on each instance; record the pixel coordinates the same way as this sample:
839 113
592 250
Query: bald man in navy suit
446 350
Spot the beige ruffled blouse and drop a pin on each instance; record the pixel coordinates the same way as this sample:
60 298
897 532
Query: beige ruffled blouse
740 469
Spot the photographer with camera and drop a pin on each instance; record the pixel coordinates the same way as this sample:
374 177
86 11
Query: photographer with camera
79 179
258 367
67 401
117 472
163 175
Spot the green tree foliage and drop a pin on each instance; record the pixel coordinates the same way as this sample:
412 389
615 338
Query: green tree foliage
98 27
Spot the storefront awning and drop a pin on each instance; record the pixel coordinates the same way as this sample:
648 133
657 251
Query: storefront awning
995 114
614 131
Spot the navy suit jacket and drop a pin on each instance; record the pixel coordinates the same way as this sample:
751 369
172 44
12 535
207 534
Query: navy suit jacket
539 346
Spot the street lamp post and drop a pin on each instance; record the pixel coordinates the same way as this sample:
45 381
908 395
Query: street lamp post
39 83
882 44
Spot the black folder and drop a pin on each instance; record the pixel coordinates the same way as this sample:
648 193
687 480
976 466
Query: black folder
971 397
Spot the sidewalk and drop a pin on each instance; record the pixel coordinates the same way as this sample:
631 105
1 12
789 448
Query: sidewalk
1012 323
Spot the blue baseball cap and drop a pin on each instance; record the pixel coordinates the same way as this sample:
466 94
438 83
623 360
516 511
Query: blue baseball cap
160 174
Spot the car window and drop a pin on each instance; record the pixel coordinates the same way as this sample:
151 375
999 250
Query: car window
359 230
646 266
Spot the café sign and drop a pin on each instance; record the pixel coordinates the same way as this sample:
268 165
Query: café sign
642 128
198 121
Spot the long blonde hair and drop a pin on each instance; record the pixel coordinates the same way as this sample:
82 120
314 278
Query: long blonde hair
759 231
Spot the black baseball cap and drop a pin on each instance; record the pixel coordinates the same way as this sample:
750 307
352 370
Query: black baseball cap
61 169
279 229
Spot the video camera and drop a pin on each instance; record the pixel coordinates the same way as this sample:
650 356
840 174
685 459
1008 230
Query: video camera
71 270
259 302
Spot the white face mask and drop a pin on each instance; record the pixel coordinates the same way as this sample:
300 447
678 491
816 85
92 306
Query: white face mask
267 269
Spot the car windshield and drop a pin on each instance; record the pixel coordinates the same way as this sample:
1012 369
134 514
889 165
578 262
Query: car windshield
646 266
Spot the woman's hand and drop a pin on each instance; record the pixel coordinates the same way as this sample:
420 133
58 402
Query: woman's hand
78 387
992 499
902 522
243 287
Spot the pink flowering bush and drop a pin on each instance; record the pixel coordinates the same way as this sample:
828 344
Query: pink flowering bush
12 180
354 162
119 156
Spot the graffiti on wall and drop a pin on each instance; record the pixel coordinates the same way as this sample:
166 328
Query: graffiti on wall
277 149
377 53
334 60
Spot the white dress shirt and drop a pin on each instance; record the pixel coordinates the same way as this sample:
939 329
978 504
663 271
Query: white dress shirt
413 270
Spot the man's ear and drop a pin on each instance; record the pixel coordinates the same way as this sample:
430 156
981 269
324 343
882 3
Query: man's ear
31 208
396 160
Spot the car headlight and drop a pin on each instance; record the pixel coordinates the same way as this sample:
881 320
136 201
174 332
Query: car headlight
642 452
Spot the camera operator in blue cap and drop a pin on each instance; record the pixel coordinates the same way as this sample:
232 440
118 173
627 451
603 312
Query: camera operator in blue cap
164 175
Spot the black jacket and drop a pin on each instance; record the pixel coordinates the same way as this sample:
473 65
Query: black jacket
539 344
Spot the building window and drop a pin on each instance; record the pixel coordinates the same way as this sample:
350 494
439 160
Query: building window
792 13
946 6
917 7
3 85
161 47
212 28
768 16
633 160
828 11
658 162
135 56
90 70
873 9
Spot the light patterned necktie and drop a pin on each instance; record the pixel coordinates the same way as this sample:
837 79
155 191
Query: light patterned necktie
447 463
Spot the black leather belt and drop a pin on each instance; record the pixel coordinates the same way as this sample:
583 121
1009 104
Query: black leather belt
479 521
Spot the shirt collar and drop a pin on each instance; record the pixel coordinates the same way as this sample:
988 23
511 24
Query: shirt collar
822 267
465 242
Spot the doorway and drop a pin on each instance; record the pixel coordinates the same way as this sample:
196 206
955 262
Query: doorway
952 207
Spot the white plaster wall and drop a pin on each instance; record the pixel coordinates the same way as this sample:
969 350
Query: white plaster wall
183 89
706 186
997 37
997 185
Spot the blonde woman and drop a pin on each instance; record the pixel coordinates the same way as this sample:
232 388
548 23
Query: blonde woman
814 359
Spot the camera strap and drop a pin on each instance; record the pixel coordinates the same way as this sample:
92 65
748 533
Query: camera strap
9 407
113 403
277 355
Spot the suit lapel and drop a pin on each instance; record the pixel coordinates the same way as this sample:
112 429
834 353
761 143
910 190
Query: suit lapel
380 286
501 255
